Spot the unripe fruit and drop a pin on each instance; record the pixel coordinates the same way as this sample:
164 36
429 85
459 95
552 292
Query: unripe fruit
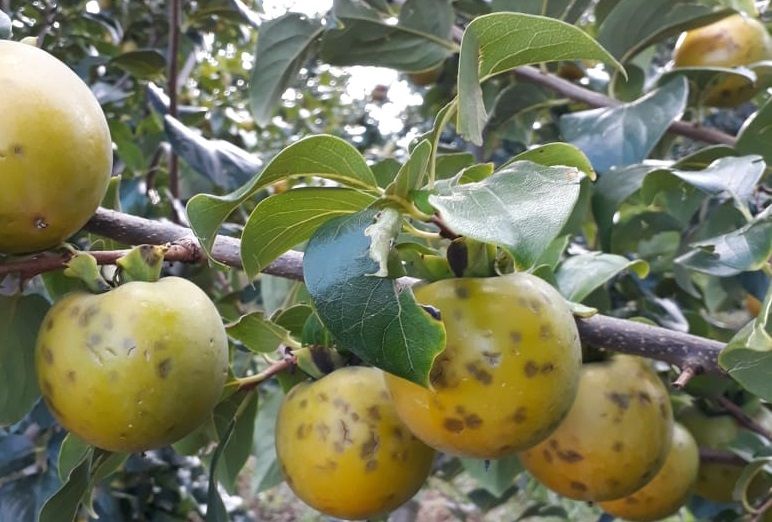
730 42
669 489
136 368
342 448
55 150
509 372
615 438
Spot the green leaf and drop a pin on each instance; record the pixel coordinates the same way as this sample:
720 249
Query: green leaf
284 220
215 508
321 155
240 408
496 475
498 42
63 505
513 100
578 276
266 473
220 161
293 318
283 45
412 174
756 133
633 25
258 334
371 317
6 27
419 41
385 171
624 135
146 64
553 154
83 266
20 320
743 250
71 453
508 208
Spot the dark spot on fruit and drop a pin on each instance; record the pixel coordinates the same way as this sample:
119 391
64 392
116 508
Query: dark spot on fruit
516 337
480 374
398 433
547 367
17 149
40 222
93 340
49 323
164 367
534 305
618 446
462 292
323 430
371 465
578 486
520 415
323 397
492 358
48 388
368 448
48 356
531 369
303 403
663 410
554 444
460 410
88 315
374 412
74 311
547 455
440 372
345 433
473 421
301 432
453 425
340 404
128 345
569 456
545 332
71 376
354 416
644 397
622 400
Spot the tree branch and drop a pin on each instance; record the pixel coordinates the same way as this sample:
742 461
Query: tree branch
618 335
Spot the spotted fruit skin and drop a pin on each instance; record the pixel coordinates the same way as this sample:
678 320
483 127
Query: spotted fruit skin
669 489
615 438
55 150
133 369
342 448
509 371
733 41
716 481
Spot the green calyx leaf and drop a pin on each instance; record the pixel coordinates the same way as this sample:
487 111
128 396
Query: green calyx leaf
142 263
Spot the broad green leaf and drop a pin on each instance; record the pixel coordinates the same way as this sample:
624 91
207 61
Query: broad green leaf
293 318
20 319
146 64
611 190
71 453
369 316
448 165
625 135
385 171
283 45
220 161
568 10
257 333
578 276
498 42
508 208
266 473
321 155
633 25
241 407
513 100
6 28
412 174
743 250
554 154
419 41
63 505
285 220
83 267
756 133
496 475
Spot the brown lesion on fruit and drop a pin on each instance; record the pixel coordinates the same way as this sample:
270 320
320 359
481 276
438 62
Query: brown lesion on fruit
354 416
622 400
570 456
547 455
75 311
618 446
345 434
547 368
441 374
369 447
663 409
49 324
303 430
322 430
341 404
88 315
480 374
371 465
644 397
520 415
47 388
303 403
17 149
545 332
530 368
462 292
40 222
72 376
492 358
129 345
164 367
453 425
374 413
578 486
516 337
398 433
48 355
323 397
473 421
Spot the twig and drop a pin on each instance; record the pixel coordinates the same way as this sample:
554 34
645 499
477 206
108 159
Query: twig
174 43
759 513
743 418
287 362
684 377
721 457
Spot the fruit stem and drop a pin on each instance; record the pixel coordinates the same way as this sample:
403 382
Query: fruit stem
247 383
685 376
